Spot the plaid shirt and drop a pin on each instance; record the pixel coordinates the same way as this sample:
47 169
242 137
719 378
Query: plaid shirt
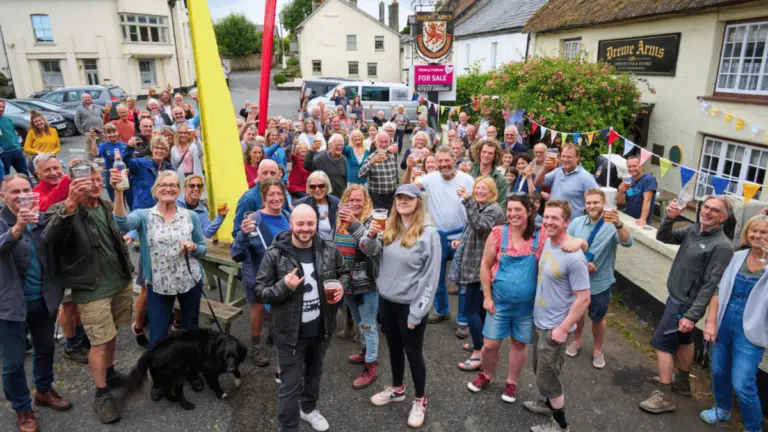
480 221
382 176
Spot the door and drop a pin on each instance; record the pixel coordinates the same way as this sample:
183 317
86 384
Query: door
91 69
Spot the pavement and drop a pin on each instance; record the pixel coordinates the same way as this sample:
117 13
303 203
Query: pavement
596 400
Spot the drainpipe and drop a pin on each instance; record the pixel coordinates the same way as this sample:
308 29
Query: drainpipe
527 47
171 4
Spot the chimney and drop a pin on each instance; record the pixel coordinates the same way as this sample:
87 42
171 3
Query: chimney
381 12
394 16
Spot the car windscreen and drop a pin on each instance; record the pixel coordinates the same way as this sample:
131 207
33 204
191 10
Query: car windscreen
13 109
47 105
116 92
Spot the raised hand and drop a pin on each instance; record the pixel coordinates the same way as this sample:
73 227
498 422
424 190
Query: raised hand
292 280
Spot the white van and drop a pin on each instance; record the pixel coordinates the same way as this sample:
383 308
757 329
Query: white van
382 95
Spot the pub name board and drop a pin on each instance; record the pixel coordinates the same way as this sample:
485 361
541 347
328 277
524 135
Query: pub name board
648 55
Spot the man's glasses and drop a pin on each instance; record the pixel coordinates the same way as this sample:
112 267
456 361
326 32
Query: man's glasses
711 209
317 186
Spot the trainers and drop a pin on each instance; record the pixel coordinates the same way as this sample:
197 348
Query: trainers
462 332
77 353
683 389
418 412
572 350
658 403
259 356
510 393
318 422
435 318
479 383
715 416
106 409
598 360
538 407
550 426
277 378
367 376
388 395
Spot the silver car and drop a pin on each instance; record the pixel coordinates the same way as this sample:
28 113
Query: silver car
101 95
383 96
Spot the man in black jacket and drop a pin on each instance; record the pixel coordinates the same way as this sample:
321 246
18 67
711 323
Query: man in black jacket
303 319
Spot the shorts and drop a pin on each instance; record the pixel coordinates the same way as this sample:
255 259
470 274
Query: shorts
548 359
666 338
67 296
510 319
102 317
598 305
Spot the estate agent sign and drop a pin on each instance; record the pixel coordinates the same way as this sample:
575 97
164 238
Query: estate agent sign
648 55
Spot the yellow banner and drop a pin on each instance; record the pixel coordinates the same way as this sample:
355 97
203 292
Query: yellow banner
750 189
665 165
563 137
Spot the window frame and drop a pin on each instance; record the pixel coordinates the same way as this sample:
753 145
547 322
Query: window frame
376 40
319 69
141 25
375 69
357 68
494 55
703 184
352 38
43 29
44 73
571 54
762 78
153 70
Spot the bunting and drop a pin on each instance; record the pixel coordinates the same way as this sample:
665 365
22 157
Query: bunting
612 137
628 146
739 124
644 156
664 165
719 184
534 126
686 174
750 189
590 137
576 138
543 132
563 137
604 132
728 117
552 137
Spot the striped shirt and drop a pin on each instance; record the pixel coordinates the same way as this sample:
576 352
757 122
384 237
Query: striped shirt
347 245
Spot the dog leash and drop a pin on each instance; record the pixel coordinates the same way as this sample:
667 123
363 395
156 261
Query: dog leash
202 291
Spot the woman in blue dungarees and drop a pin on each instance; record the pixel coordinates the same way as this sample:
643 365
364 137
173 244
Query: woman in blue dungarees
737 323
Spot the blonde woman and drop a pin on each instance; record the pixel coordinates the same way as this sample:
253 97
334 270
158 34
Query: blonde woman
419 149
401 120
187 153
355 155
41 137
371 139
407 283
311 134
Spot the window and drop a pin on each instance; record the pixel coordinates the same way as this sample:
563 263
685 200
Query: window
572 48
55 97
144 28
372 69
494 49
378 43
466 56
350 92
317 66
52 77
353 69
351 42
734 161
744 60
42 26
375 94
147 73
91 70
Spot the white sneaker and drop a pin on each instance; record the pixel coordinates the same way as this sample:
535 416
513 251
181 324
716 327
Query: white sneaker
387 396
318 422
418 412
573 349
598 360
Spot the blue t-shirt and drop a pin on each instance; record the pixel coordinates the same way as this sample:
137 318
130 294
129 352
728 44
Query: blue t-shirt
107 151
571 187
276 224
33 279
646 183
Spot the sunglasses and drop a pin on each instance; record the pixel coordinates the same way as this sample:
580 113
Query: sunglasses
195 186
316 186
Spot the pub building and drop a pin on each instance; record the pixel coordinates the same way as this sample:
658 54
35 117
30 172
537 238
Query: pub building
707 62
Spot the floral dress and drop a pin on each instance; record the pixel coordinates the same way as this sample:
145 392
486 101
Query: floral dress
170 275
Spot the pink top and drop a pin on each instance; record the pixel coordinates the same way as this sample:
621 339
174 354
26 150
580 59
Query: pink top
526 249
251 174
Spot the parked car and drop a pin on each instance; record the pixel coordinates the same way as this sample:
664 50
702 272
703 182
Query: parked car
44 105
319 86
70 96
20 117
382 95
38 95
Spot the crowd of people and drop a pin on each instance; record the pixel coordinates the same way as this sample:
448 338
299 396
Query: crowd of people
338 214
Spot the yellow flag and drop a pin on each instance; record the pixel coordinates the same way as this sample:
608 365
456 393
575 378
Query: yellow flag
740 124
563 136
665 165
458 109
750 189
728 117
442 110
590 135
715 111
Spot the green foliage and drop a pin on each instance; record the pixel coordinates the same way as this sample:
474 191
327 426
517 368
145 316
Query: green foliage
3 80
560 94
280 79
237 36
294 13
7 92
292 61
406 30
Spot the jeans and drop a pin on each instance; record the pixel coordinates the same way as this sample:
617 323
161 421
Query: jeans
364 308
13 350
160 311
442 307
735 361
404 343
399 134
301 368
15 159
473 309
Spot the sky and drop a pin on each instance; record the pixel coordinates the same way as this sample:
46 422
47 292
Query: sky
254 9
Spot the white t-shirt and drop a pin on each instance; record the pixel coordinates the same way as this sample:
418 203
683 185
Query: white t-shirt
447 211
324 229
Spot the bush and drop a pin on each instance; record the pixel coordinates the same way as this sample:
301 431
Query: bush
7 92
3 80
237 36
292 72
292 62
280 79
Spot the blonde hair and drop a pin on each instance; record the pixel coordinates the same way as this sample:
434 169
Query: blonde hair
322 176
491 187
751 223
367 203
424 135
355 133
160 176
396 229
109 127
159 141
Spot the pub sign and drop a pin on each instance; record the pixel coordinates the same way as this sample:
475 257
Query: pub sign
434 34
647 55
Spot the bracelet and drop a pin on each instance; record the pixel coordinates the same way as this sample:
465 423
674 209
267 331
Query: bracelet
618 227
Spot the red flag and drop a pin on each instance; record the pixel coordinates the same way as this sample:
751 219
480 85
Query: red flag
612 136
534 126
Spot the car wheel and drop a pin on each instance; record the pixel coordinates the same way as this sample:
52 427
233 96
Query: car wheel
70 130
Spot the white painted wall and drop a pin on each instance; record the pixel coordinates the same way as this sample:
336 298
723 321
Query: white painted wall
90 29
509 47
324 37
677 118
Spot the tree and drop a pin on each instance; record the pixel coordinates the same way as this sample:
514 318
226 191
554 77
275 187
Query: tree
237 36
294 13
406 30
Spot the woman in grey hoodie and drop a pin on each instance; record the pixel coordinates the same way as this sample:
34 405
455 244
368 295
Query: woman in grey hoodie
407 283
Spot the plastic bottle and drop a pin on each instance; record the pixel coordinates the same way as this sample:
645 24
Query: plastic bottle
120 165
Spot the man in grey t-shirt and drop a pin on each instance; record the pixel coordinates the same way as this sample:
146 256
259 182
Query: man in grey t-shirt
562 297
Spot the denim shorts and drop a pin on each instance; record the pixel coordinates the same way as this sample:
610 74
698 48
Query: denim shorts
598 305
510 319
666 339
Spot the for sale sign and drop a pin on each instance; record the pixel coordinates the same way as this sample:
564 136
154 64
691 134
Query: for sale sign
433 78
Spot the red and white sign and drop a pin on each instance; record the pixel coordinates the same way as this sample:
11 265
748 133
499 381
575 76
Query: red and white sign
429 78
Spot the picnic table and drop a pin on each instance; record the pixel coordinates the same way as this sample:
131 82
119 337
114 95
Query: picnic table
219 266
664 198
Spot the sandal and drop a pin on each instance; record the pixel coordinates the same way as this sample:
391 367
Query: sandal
467 347
467 365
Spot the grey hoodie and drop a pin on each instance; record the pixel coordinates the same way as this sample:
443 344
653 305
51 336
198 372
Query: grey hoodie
410 275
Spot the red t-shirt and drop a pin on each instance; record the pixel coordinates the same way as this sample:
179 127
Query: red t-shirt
297 179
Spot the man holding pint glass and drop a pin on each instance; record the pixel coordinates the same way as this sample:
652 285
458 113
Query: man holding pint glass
303 299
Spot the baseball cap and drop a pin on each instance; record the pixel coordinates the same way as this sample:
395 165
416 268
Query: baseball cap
410 190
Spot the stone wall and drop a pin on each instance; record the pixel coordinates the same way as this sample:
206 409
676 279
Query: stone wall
245 63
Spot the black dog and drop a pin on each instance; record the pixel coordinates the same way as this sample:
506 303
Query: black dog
196 351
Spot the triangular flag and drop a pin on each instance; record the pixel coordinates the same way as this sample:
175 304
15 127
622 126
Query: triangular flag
590 137
704 105
755 129
628 146
644 156
543 132
517 117
576 137
458 109
719 184
442 110
534 126
612 136
686 174
714 111
604 132
665 165
728 117
563 136
739 124
553 134
750 189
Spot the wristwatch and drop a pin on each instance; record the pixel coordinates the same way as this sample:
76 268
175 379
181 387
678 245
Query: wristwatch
618 227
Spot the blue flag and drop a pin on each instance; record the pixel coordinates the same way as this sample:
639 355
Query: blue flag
720 184
686 174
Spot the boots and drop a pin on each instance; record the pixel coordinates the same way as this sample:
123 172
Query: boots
358 358
367 377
